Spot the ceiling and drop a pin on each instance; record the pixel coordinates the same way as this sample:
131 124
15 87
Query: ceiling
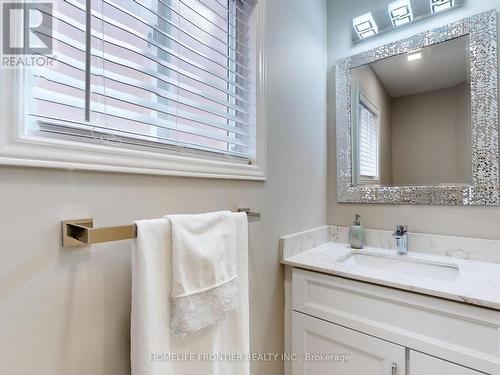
441 66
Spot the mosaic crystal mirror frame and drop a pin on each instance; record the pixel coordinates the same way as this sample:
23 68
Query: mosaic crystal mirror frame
484 189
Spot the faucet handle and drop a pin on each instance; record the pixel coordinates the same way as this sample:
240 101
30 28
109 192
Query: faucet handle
401 230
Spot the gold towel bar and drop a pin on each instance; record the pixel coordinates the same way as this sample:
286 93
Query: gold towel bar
81 232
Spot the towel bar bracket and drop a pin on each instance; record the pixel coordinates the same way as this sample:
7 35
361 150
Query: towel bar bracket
250 214
76 233
73 232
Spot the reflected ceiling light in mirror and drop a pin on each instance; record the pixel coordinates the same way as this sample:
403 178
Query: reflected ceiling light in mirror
400 12
415 56
439 5
365 25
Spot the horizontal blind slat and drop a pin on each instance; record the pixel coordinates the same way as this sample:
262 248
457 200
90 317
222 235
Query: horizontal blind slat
126 63
153 89
227 43
191 146
49 96
231 39
133 100
231 19
49 74
175 40
98 35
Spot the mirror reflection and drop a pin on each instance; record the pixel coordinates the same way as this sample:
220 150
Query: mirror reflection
411 118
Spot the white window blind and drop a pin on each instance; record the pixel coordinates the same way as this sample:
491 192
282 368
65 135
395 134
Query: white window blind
160 74
368 143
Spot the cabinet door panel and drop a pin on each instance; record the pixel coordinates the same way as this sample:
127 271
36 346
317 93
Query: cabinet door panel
341 351
421 364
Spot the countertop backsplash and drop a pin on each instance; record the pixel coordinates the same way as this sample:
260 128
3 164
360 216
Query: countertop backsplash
457 247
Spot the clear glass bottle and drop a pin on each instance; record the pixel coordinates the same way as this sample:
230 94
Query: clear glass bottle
357 234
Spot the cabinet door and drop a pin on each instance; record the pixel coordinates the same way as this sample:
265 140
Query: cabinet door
421 364
324 348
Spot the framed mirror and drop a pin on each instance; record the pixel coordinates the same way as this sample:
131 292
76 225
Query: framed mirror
417 119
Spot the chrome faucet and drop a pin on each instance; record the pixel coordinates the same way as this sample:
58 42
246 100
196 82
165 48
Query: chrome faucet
401 236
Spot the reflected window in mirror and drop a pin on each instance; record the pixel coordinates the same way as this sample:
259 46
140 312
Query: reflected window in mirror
367 133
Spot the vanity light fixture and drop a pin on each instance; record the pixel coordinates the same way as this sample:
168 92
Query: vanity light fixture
439 5
415 56
397 13
400 12
365 25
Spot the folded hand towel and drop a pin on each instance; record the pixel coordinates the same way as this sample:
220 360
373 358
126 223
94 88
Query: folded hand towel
153 347
204 270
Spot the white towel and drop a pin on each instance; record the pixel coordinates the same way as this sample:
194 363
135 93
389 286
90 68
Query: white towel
153 347
204 270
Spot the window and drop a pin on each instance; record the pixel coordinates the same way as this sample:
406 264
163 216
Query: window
367 136
155 81
368 143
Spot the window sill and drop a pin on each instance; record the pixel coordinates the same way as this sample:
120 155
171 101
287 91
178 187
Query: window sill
365 182
50 153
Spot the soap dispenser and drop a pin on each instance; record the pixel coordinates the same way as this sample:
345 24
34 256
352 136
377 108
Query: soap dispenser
357 234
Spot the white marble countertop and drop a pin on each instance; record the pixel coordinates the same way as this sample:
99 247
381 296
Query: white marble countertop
475 283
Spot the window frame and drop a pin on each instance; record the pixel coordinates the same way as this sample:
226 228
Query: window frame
360 98
20 149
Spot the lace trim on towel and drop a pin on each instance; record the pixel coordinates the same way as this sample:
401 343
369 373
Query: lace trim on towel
197 311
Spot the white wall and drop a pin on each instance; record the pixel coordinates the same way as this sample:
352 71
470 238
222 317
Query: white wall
67 311
465 221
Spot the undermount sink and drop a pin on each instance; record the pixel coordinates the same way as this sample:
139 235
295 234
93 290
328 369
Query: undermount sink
402 265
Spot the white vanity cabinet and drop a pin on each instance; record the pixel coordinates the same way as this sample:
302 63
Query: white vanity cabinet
336 350
387 331
423 364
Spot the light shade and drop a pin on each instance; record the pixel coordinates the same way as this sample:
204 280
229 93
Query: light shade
439 5
365 25
400 12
